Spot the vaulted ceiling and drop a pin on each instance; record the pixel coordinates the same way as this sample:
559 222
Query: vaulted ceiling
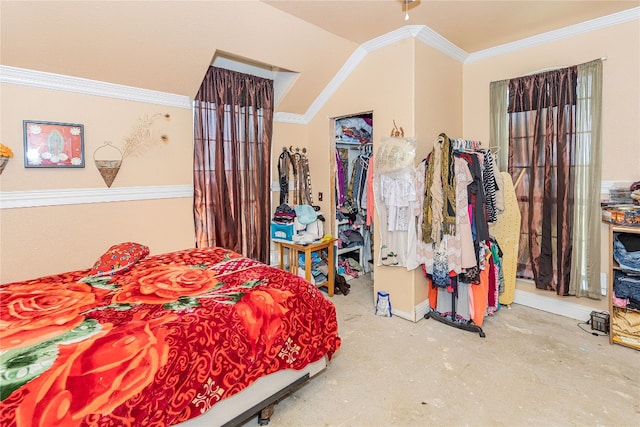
167 46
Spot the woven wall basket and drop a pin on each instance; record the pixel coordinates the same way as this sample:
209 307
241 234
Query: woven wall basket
109 166
3 163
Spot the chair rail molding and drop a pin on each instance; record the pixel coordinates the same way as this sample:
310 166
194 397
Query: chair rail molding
80 196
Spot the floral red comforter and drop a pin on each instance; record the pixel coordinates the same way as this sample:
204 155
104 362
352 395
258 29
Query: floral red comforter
156 345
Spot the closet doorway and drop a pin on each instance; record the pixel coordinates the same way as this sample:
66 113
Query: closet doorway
352 193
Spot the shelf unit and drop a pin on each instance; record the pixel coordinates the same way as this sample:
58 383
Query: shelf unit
342 251
296 249
626 313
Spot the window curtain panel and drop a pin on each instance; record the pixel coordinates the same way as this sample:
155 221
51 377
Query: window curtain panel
541 142
585 262
233 123
499 123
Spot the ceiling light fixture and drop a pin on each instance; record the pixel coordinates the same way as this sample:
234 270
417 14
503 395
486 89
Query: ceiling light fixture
406 8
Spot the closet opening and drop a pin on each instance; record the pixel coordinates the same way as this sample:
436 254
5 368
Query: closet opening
352 193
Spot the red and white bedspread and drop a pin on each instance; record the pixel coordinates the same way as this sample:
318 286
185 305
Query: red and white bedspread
155 345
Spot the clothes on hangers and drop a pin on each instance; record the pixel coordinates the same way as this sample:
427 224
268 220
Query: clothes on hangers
490 185
297 164
284 169
395 201
460 248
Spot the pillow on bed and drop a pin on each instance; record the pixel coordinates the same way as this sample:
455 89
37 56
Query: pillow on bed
119 258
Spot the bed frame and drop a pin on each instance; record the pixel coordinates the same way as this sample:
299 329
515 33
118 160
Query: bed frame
257 399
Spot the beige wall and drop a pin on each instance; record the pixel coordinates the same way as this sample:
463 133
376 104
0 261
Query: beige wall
36 241
438 108
621 99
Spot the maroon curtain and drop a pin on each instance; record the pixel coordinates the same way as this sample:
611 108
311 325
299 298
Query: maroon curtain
541 153
233 122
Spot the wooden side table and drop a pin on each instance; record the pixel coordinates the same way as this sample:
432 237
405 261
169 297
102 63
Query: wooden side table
295 249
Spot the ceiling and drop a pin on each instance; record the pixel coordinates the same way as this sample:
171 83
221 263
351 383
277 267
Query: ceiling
471 25
167 46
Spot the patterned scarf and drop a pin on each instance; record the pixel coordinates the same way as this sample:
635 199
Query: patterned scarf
427 206
439 208
448 187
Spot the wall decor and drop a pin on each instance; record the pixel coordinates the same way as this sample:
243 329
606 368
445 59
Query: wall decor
140 139
53 145
108 159
5 154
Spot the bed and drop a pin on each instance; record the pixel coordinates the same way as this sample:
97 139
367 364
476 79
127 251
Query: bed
191 338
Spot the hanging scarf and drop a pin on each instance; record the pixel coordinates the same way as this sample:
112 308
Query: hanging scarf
305 176
284 164
302 179
427 210
448 187
439 208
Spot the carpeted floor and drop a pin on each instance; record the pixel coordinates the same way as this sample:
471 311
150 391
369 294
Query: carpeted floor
532 369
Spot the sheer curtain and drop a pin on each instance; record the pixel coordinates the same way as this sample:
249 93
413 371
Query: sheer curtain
499 125
541 147
233 122
585 263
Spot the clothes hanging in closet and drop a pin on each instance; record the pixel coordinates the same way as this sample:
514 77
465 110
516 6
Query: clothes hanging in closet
352 200
342 164
358 182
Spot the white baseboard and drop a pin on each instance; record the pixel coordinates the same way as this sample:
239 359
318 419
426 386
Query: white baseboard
403 314
552 305
421 309
528 299
418 312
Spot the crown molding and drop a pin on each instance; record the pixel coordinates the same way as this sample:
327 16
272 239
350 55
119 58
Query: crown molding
81 196
297 119
429 37
43 80
562 33
406 32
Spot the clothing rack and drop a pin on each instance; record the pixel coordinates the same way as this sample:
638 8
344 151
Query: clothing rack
466 326
465 144
451 318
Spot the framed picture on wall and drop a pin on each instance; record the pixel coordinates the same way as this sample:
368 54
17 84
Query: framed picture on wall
53 145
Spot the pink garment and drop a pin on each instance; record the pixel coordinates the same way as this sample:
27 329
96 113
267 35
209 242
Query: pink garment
619 302
370 197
